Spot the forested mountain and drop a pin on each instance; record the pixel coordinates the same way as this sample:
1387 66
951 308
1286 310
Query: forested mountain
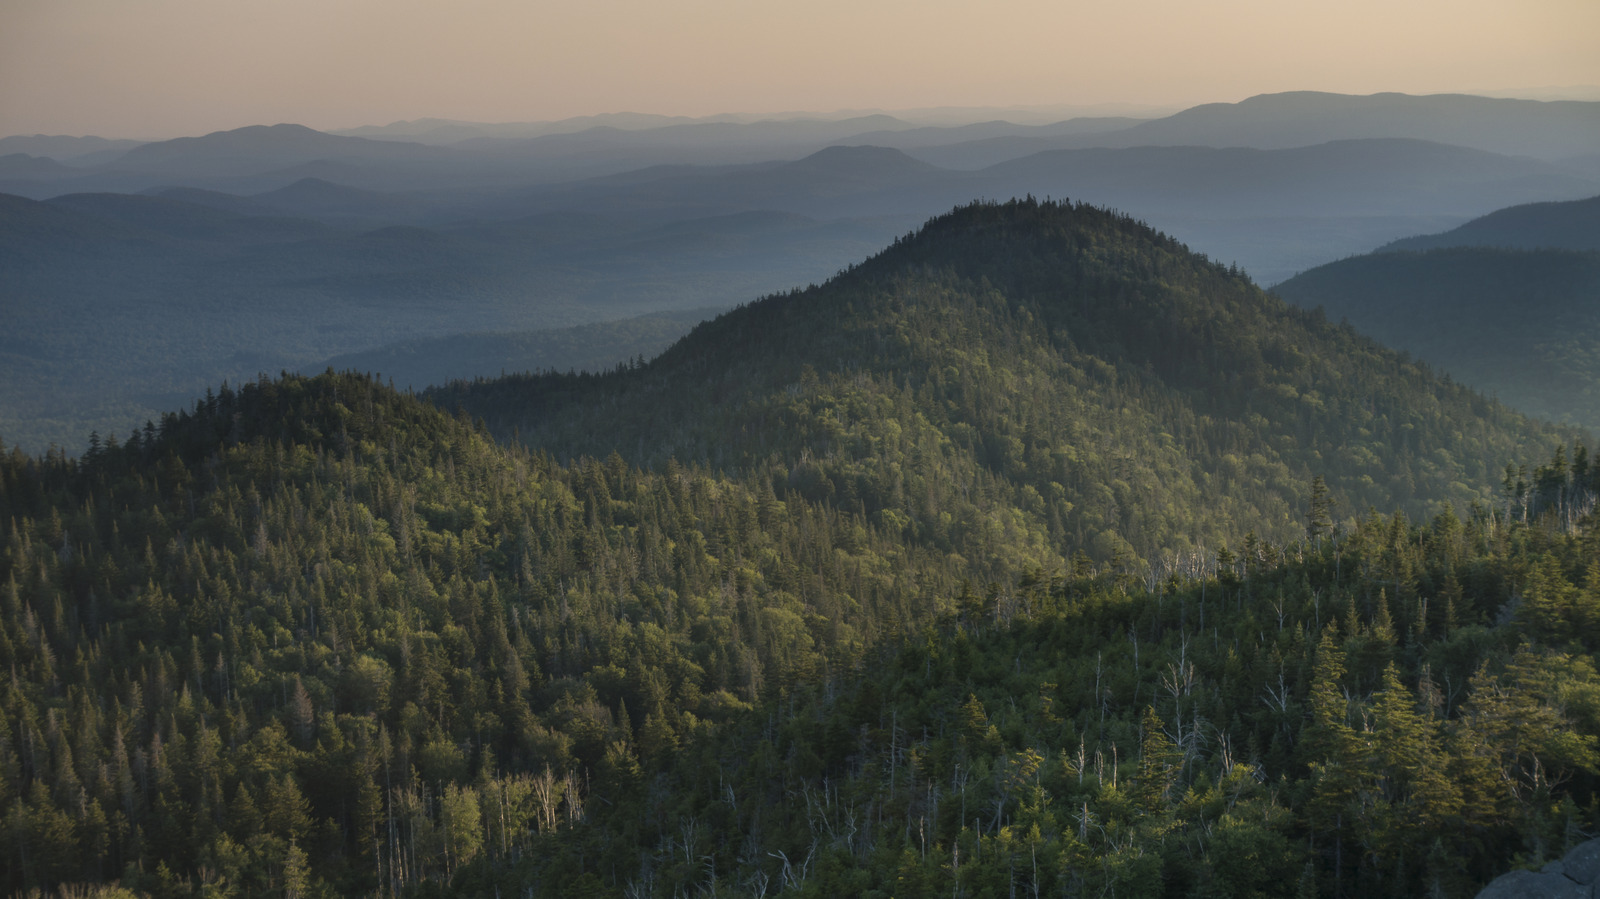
1522 325
1087 375
316 636
1572 225
1407 710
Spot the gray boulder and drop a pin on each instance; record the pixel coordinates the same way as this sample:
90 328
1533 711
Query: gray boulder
1583 862
1534 885
1576 876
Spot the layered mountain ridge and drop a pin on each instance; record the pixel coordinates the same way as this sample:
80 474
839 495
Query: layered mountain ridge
552 230
1506 303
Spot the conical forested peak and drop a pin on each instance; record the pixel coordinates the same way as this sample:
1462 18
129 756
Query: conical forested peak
1066 259
1064 262
1054 358
1028 221
1025 239
333 411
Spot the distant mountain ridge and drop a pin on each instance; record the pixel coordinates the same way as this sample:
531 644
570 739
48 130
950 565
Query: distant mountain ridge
1545 129
1550 129
116 305
79 150
1506 302
264 147
1344 177
450 131
21 165
1570 225
561 229
1313 203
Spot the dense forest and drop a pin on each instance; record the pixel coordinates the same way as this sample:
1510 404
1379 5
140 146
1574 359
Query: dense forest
1057 371
315 636
1520 324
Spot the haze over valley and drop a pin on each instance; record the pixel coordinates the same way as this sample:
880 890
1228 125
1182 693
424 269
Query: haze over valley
143 274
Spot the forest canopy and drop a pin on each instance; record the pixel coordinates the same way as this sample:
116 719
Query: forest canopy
1076 598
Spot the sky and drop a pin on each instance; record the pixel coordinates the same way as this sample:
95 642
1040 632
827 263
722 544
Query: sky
163 68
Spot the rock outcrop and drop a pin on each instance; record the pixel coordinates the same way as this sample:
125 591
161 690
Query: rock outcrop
1573 877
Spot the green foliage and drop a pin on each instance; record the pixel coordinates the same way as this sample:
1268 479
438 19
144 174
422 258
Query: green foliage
1201 740
320 637
320 617
1018 381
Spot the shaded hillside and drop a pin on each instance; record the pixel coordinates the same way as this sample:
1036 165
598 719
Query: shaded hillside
1573 225
1037 369
1523 325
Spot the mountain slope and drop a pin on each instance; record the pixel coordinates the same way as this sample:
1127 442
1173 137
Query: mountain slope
484 602
1572 225
1237 734
1124 396
318 636
1523 325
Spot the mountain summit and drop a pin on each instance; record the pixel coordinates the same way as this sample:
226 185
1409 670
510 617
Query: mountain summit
1124 394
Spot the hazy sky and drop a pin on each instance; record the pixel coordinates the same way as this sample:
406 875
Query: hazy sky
161 68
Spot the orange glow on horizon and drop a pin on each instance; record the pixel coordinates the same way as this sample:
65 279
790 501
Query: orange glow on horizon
160 68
